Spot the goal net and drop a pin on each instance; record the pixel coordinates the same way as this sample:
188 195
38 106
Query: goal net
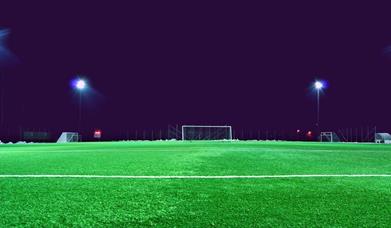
200 132
383 138
67 137
329 137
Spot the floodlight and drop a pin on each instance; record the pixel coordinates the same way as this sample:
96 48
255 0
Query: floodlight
318 85
81 84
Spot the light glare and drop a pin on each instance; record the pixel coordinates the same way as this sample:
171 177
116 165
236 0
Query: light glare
318 85
80 84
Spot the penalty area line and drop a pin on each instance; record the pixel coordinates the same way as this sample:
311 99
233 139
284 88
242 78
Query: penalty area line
194 177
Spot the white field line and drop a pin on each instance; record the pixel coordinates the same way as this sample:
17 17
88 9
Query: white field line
196 177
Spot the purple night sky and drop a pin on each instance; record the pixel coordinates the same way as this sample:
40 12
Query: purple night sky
152 64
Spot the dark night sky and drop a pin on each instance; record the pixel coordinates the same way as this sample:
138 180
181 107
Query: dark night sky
154 64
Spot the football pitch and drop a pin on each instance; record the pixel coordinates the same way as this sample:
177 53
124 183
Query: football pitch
195 184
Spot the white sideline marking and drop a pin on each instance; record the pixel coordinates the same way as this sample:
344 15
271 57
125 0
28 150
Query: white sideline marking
196 177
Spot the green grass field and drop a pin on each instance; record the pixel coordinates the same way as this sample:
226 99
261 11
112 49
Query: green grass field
267 202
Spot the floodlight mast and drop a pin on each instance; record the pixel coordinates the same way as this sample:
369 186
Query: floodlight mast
318 86
80 109
80 85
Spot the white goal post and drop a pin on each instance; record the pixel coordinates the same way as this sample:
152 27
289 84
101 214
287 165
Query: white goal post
383 138
329 137
206 132
67 137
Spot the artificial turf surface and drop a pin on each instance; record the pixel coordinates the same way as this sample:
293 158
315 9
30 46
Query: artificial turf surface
324 201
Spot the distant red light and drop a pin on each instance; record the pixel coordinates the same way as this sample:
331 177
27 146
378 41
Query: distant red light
97 134
309 133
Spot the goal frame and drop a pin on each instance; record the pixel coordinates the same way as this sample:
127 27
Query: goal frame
330 135
207 126
68 137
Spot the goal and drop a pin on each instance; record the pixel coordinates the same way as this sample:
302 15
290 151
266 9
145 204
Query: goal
383 138
329 137
67 137
202 132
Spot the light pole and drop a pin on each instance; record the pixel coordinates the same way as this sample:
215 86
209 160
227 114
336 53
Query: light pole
80 85
318 86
